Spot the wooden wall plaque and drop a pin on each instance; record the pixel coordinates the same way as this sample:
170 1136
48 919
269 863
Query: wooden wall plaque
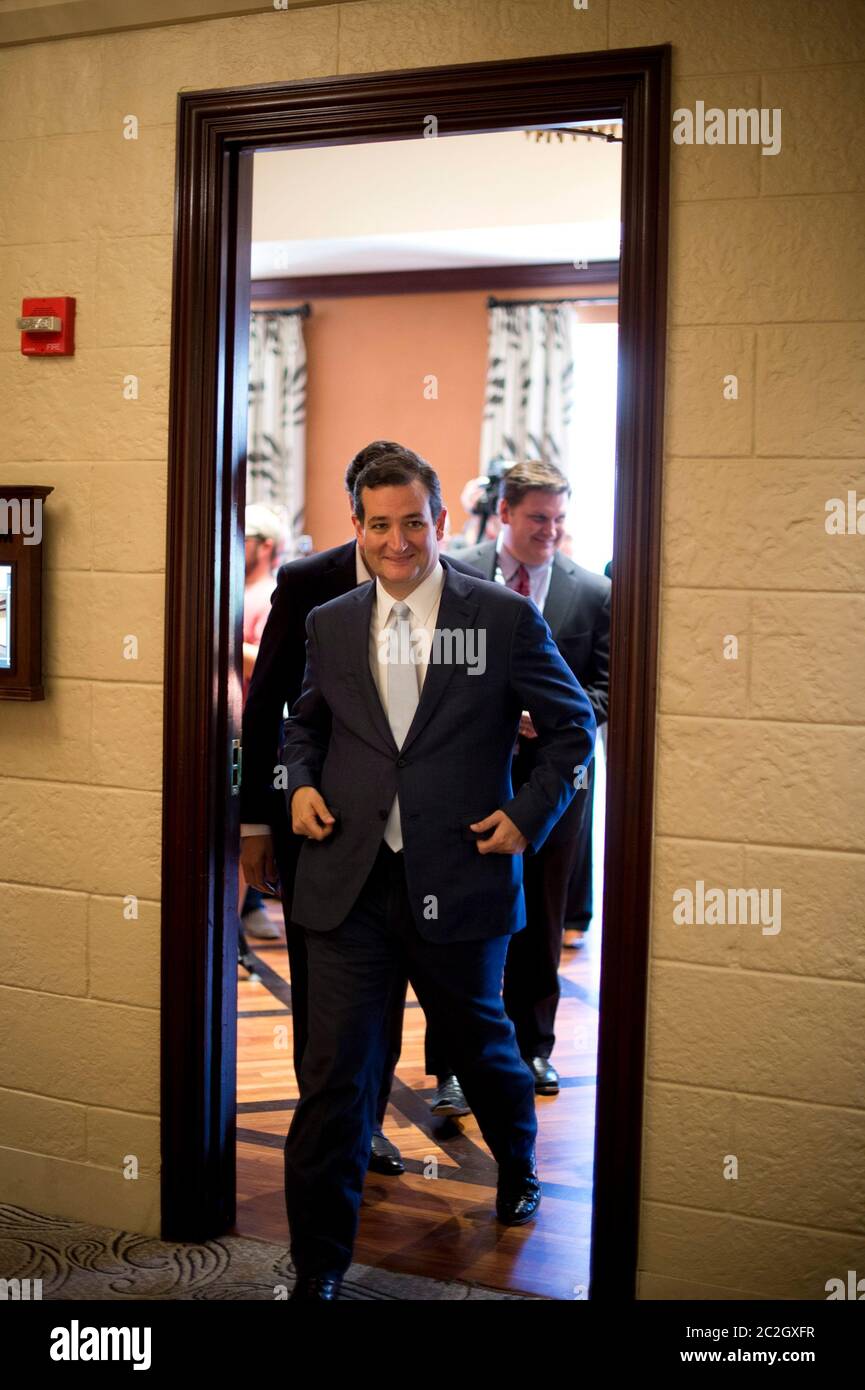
22 513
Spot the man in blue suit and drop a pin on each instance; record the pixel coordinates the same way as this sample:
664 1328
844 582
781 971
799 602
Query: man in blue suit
268 849
398 773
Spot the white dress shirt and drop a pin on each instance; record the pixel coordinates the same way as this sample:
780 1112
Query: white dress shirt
539 575
360 569
539 581
423 604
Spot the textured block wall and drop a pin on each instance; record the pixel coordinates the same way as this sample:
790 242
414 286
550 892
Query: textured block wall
754 1040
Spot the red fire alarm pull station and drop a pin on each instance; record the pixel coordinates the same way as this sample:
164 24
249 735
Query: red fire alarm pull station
48 326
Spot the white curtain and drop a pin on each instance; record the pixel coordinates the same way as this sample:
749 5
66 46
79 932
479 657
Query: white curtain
276 443
530 385
591 469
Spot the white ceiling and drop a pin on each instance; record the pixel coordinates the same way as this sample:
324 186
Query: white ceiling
497 199
589 241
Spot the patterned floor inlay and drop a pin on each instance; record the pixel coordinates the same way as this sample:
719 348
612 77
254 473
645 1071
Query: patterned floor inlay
77 1261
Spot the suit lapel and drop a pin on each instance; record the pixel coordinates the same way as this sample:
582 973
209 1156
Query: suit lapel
559 598
457 610
342 572
357 626
487 560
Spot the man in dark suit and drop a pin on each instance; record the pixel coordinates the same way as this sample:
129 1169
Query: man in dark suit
576 606
398 763
269 850
580 910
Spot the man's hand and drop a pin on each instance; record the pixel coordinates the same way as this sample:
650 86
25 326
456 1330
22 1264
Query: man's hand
309 814
507 839
527 728
258 862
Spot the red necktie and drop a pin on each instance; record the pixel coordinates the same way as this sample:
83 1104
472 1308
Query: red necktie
519 581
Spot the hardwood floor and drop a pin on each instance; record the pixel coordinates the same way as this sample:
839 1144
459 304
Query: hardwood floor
437 1218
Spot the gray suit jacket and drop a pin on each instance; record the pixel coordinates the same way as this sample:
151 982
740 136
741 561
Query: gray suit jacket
577 612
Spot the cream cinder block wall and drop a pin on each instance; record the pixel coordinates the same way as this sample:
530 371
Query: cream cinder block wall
753 1040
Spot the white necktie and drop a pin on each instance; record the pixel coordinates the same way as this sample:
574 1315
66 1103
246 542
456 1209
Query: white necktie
402 700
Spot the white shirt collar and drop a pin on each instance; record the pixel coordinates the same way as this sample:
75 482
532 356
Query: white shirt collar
362 574
513 563
421 600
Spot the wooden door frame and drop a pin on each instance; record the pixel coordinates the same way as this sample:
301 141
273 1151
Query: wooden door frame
217 135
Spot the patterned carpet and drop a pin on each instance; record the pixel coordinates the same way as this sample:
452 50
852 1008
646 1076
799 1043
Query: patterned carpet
80 1262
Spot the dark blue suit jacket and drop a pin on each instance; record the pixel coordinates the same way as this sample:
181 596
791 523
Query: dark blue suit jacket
453 768
278 674
577 612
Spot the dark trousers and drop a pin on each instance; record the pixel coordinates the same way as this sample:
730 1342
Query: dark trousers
252 900
355 974
436 1059
295 938
531 989
580 903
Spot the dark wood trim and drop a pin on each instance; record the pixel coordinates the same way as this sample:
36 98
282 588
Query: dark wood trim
217 132
633 671
22 679
472 277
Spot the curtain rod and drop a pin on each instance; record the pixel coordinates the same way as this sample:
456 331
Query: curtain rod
303 309
493 303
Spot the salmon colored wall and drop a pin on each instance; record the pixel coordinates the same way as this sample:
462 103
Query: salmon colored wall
367 360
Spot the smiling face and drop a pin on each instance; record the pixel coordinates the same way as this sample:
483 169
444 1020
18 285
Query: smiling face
533 527
398 536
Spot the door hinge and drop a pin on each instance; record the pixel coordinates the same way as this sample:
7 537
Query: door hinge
236 765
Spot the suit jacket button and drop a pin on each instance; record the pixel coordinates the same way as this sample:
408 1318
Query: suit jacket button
401 762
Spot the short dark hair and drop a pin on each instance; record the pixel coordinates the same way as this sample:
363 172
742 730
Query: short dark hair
532 475
368 454
394 469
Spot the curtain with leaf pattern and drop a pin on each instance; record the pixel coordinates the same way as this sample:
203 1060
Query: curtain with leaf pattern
276 443
530 384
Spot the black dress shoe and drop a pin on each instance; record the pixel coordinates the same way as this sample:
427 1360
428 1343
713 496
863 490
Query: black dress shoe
448 1098
518 1196
384 1157
317 1288
546 1076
